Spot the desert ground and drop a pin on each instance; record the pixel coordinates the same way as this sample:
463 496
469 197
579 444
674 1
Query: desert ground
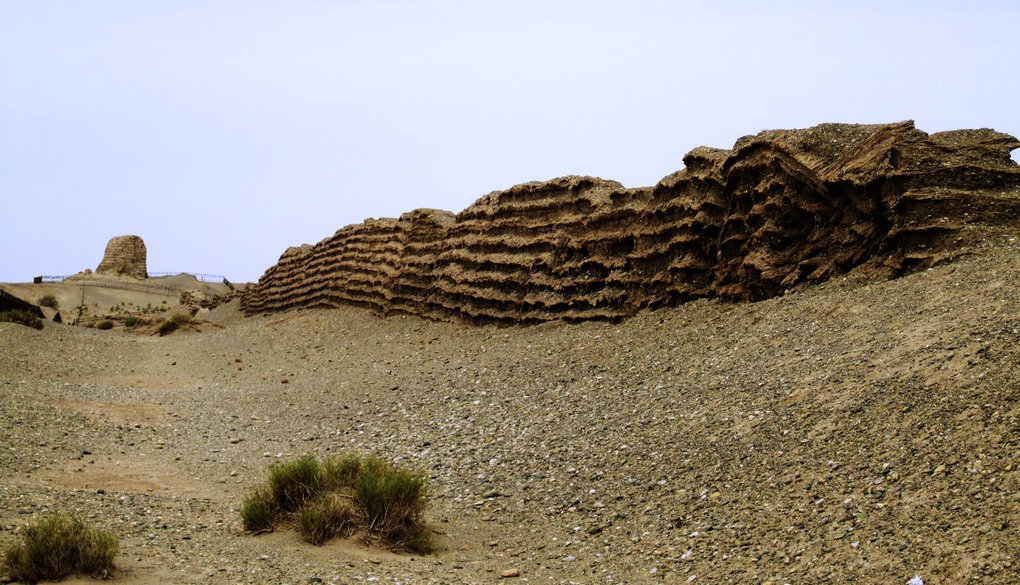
854 432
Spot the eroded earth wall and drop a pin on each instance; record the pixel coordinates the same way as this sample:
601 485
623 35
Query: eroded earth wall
782 209
124 256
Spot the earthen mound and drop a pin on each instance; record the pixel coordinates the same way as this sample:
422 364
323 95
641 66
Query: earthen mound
780 210
124 256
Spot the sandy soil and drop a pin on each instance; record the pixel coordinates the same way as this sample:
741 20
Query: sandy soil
853 433
105 295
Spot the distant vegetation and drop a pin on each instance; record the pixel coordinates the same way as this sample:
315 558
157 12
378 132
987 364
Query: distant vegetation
57 546
50 301
130 307
174 323
339 497
21 317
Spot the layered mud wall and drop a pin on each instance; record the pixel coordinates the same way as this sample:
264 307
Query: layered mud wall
781 209
124 256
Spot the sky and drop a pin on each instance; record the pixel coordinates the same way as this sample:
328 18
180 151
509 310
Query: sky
224 132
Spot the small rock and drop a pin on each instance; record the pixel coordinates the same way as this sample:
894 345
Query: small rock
510 573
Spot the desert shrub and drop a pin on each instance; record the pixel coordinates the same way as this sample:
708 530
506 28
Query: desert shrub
393 500
131 321
340 496
50 301
258 512
105 325
292 484
174 323
331 515
340 472
21 318
57 546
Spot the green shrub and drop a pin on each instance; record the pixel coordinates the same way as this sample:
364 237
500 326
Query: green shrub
292 484
131 321
331 515
174 323
50 301
258 513
21 318
57 546
340 472
392 499
341 496
105 325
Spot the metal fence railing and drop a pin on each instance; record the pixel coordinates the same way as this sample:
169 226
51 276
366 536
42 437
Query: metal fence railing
142 286
135 286
201 277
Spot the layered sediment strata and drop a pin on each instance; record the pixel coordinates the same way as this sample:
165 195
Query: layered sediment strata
124 256
780 210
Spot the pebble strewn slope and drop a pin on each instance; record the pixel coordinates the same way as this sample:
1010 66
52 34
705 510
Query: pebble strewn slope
852 432
780 210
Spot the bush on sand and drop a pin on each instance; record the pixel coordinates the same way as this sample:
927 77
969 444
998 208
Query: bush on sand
21 318
57 546
339 497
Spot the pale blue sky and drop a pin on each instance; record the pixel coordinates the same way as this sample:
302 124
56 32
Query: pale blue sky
224 132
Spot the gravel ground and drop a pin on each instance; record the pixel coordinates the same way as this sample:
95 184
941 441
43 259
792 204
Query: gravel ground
853 433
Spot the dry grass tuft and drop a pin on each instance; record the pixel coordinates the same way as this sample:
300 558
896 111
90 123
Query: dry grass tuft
57 546
341 496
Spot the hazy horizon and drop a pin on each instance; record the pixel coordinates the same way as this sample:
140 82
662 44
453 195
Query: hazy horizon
224 133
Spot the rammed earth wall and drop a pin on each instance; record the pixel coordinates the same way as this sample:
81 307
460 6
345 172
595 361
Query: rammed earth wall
781 209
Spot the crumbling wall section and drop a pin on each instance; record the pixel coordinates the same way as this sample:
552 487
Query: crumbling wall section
779 210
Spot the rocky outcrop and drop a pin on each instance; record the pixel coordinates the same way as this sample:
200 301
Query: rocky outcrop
125 256
780 210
